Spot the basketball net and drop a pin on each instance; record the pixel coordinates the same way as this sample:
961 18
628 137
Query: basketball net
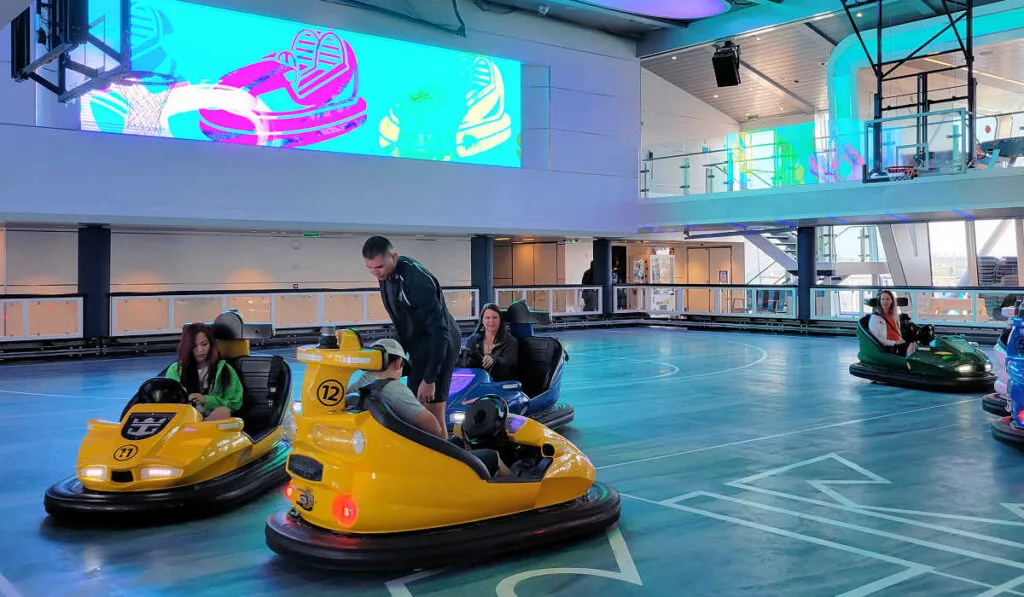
145 107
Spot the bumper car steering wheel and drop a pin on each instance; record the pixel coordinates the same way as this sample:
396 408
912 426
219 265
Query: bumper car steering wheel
161 390
484 425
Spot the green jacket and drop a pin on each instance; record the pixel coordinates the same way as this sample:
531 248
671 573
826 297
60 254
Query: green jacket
231 396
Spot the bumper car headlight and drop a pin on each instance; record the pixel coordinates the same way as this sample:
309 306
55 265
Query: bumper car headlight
338 438
458 417
988 366
159 472
964 368
94 473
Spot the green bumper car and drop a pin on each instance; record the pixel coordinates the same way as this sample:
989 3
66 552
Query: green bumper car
940 363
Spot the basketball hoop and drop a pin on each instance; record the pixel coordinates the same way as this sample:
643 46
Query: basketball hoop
901 173
146 93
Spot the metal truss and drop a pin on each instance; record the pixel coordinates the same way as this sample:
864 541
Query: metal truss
884 70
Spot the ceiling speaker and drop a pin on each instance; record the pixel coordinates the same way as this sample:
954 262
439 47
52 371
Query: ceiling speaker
726 63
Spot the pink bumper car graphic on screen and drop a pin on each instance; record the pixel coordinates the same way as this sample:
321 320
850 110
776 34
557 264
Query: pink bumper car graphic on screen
321 78
440 124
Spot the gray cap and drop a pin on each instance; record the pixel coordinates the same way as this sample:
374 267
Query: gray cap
391 347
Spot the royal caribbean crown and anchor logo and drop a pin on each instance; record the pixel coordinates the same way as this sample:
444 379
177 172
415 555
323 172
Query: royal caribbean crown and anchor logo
145 425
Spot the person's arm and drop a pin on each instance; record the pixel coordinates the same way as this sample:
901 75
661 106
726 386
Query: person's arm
231 395
173 372
408 408
506 362
423 294
427 422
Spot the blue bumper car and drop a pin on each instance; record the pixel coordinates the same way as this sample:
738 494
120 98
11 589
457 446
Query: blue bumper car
536 393
1010 429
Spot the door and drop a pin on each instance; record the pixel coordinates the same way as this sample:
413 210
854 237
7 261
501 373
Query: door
720 259
698 264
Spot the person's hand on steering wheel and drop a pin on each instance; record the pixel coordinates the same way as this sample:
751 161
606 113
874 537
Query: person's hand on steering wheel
197 400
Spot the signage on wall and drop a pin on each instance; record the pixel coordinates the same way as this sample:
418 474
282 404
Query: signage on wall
723 276
211 74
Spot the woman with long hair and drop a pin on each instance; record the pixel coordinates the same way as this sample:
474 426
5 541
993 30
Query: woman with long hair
212 384
492 346
885 327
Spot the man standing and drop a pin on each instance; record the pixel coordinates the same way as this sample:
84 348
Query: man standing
416 305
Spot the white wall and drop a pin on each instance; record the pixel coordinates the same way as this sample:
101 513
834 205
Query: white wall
676 122
151 262
577 260
581 134
671 115
42 261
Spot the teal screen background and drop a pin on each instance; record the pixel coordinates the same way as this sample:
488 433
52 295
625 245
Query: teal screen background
231 77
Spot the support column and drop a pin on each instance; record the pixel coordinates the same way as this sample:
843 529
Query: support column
94 279
806 274
603 274
481 256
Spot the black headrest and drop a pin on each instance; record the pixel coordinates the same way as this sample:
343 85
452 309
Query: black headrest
901 301
520 312
485 419
229 326
162 390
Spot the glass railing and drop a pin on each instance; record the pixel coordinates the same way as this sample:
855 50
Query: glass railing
911 145
155 314
773 302
969 307
25 318
559 301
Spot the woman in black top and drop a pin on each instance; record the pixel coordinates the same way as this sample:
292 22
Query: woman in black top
492 347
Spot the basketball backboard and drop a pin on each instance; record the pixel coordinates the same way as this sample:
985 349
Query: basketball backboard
83 41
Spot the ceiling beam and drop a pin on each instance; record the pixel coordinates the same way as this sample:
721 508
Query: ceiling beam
818 35
923 8
808 107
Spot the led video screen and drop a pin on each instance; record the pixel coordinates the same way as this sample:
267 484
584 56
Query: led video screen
210 74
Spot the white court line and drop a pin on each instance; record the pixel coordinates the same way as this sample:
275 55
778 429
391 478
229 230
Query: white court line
999 590
627 572
7 589
20 393
913 568
764 355
885 534
875 586
785 434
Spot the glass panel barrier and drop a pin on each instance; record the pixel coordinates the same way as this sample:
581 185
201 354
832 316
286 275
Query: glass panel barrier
296 310
252 307
777 302
187 309
141 315
41 318
153 314
559 301
950 307
343 308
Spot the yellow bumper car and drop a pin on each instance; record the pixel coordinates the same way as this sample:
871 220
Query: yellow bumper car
371 492
162 460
